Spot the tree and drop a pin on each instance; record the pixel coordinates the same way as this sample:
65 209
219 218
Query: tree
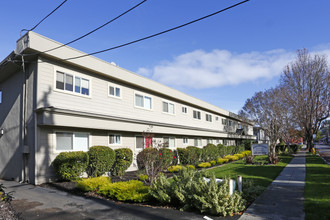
267 110
307 86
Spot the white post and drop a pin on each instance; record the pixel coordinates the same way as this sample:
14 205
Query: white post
231 186
239 183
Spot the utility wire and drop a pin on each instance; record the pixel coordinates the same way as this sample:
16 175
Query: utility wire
154 35
45 17
85 35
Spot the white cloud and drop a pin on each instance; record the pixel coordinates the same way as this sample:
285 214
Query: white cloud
200 69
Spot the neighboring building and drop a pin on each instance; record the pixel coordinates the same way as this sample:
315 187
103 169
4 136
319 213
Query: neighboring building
50 104
261 137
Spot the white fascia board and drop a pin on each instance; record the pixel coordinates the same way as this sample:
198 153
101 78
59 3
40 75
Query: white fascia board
40 43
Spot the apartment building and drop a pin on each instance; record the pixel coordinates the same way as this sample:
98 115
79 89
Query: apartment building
50 103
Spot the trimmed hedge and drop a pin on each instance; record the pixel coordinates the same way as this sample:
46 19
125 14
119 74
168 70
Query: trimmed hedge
174 169
222 160
204 165
167 156
101 159
70 165
164 157
210 152
190 155
133 191
92 184
231 157
124 158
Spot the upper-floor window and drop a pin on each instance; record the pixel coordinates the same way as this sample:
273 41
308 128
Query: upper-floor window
208 117
0 96
184 110
71 141
168 107
197 114
143 101
114 139
71 83
216 118
169 142
114 91
224 121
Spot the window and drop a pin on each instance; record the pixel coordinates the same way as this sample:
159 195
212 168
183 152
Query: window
185 140
168 107
198 142
216 118
230 123
218 141
69 141
139 142
224 121
114 91
114 139
209 141
208 117
197 114
169 142
66 81
184 110
143 101
0 96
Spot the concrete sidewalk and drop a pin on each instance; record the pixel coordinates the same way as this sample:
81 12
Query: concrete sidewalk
284 198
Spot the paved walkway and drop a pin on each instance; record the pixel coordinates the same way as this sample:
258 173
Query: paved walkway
324 152
284 198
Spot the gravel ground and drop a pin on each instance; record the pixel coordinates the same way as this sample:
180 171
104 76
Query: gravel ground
7 212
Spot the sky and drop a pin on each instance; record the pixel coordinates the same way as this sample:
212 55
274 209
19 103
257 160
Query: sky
224 59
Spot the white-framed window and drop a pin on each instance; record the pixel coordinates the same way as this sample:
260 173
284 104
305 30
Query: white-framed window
114 139
143 101
139 142
114 91
198 142
216 118
184 110
72 84
218 141
185 140
230 123
209 141
0 96
168 107
224 121
197 114
208 117
71 141
169 142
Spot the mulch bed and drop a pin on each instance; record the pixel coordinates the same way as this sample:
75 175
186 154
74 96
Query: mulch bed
7 212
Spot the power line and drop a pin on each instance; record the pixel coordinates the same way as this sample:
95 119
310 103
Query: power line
85 35
45 17
154 35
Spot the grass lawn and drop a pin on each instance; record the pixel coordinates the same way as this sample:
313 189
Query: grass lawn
262 175
317 188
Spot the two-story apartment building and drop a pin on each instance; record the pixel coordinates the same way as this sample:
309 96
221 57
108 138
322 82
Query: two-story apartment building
50 104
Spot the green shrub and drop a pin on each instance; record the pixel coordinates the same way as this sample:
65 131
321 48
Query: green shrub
190 155
222 160
231 157
247 152
189 166
247 144
240 156
210 152
101 159
238 149
251 191
189 191
133 191
204 165
222 150
70 165
124 158
143 177
167 156
230 150
174 169
92 184
145 156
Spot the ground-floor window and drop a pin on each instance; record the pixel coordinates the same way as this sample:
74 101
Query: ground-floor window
114 139
169 142
185 140
198 142
71 141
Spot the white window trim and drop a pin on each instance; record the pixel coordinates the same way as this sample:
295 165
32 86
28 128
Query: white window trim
168 102
73 132
197 111
170 137
138 149
197 142
115 144
115 86
185 113
184 142
144 95
206 117
74 74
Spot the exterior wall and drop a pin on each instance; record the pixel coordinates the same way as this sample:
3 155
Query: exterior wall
17 150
